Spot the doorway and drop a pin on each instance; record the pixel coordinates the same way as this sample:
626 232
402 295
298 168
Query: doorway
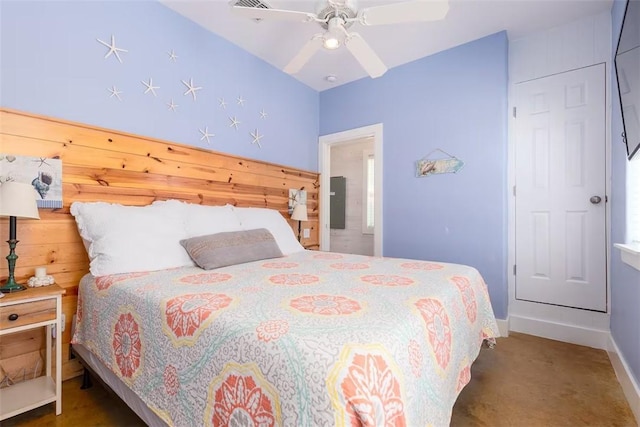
328 143
352 197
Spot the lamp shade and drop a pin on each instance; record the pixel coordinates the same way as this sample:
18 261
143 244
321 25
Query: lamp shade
18 199
299 213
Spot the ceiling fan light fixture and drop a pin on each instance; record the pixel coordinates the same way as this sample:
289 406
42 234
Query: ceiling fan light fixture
335 17
331 42
332 39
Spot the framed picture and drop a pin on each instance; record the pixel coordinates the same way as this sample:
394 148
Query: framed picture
44 174
296 197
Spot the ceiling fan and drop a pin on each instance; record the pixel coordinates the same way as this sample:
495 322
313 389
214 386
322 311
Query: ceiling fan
336 16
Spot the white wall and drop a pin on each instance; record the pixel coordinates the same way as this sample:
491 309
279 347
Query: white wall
574 45
347 161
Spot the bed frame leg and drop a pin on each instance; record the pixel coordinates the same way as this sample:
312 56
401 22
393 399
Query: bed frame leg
86 380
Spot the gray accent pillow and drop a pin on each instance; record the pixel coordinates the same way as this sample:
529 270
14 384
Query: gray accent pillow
231 247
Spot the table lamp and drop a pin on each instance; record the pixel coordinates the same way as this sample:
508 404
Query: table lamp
299 214
17 200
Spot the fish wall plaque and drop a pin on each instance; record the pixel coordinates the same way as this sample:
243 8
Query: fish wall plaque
430 166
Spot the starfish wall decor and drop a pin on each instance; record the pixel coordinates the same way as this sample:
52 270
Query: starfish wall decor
191 89
234 122
115 92
112 48
256 138
172 106
150 87
206 135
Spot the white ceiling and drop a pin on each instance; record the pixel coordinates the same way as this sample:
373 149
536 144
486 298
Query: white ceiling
277 42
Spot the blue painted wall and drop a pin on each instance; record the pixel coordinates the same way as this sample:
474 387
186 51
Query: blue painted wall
51 64
456 101
625 281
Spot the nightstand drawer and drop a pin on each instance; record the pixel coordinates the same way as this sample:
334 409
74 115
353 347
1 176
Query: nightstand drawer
27 313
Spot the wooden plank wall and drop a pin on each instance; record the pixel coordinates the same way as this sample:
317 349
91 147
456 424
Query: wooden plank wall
106 165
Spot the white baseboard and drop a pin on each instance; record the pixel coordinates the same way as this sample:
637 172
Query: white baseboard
629 385
573 334
503 327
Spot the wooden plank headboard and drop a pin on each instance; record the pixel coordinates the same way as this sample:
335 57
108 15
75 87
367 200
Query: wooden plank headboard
106 165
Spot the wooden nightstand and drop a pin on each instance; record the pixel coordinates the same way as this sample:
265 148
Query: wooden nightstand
29 309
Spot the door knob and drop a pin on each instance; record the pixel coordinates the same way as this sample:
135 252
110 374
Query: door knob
595 199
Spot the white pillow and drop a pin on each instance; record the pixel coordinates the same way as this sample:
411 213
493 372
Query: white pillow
202 220
126 239
272 220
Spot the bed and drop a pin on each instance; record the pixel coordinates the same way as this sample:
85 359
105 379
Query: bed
270 333
307 338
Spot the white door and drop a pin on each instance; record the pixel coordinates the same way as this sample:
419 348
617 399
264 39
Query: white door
560 189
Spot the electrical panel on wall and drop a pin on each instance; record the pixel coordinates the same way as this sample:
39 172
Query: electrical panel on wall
338 194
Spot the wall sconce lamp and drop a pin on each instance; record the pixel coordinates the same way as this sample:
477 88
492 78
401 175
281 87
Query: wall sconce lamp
299 214
17 200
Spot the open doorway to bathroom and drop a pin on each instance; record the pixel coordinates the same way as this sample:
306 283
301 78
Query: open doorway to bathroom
351 191
351 197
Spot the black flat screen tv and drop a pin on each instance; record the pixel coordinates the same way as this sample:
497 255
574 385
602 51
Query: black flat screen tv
627 64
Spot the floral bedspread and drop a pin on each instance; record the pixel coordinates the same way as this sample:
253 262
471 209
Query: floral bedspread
314 338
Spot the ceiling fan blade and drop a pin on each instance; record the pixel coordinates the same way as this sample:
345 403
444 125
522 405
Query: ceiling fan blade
281 15
363 53
410 11
305 54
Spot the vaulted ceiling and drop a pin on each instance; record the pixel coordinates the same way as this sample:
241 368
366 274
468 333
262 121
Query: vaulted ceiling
277 42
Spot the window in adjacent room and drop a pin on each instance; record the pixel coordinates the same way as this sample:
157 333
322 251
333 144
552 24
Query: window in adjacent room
368 192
